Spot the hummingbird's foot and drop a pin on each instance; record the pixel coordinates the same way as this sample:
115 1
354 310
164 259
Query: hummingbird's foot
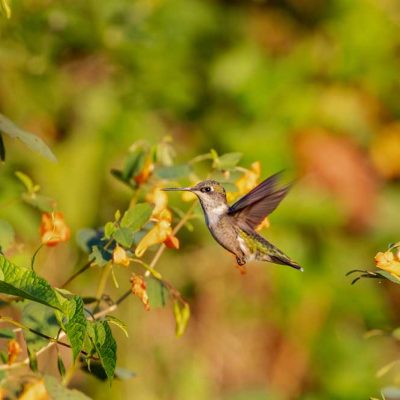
241 262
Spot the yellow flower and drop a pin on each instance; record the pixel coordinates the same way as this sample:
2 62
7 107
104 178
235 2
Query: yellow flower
247 181
388 262
158 234
138 288
160 200
120 257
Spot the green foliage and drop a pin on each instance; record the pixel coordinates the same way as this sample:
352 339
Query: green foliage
75 326
31 141
103 344
21 282
57 391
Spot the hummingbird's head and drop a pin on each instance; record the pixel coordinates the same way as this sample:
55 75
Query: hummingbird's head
210 193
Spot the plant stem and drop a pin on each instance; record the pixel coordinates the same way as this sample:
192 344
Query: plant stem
34 257
103 280
76 274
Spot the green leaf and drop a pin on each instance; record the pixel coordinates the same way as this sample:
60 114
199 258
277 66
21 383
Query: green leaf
75 327
157 293
227 161
133 164
30 140
42 203
60 365
57 391
173 172
182 315
136 217
105 346
121 325
124 236
97 258
5 7
389 276
27 182
6 333
109 229
22 282
2 149
7 234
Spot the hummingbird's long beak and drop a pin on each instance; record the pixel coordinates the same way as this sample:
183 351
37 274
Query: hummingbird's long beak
183 189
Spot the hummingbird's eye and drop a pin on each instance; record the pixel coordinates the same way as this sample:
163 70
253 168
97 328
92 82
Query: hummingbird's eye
205 189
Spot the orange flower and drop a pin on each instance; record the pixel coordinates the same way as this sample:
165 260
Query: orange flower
157 234
120 257
13 349
172 242
138 288
53 229
388 262
144 174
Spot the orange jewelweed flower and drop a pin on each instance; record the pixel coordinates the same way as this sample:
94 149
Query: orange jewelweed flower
388 262
53 229
138 288
172 242
160 231
120 256
13 349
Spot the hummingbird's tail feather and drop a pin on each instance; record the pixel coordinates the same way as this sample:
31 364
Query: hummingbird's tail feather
284 260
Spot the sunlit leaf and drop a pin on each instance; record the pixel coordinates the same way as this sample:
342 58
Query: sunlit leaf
136 217
30 140
157 293
105 346
117 322
22 282
173 172
124 236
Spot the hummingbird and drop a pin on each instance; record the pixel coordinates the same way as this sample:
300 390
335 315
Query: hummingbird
234 227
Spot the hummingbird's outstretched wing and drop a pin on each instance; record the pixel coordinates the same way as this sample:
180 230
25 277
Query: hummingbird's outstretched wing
252 208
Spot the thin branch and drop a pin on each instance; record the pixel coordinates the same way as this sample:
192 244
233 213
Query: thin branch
76 274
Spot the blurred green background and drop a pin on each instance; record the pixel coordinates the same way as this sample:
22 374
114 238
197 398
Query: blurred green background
310 86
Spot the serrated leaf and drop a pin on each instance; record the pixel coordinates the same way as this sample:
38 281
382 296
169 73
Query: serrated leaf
75 327
157 293
2 149
6 333
173 172
7 234
32 141
22 282
124 236
136 217
117 322
105 346
182 316
57 391
227 161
